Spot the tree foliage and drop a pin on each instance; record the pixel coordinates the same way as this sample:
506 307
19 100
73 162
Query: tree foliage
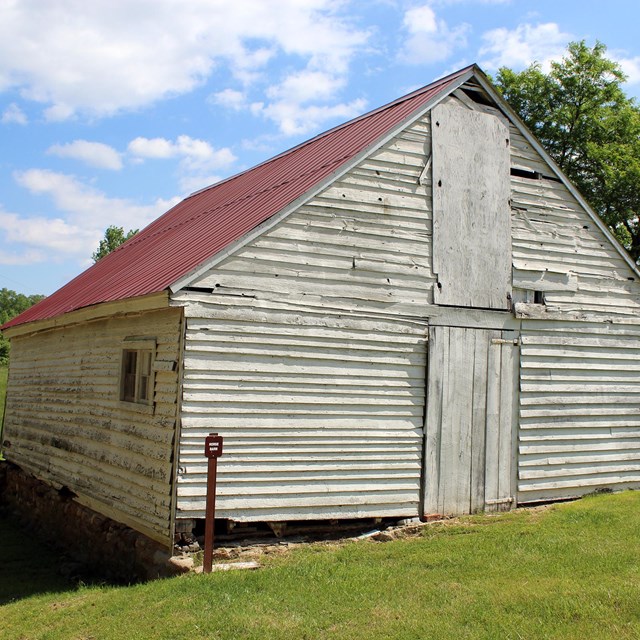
583 118
113 238
11 305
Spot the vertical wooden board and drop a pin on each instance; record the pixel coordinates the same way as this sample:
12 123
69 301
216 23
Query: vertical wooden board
471 213
474 374
515 414
446 431
450 432
433 426
506 425
479 421
455 472
492 458
466 339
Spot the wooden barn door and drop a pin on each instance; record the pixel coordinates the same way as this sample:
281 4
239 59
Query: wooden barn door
470 434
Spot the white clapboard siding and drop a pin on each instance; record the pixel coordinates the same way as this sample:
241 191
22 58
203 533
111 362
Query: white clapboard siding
557 247
65 423
304 356
579 408
318 421
362 244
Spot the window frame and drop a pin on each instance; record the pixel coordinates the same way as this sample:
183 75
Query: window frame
136 383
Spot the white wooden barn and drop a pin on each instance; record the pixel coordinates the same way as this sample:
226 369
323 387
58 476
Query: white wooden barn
413 313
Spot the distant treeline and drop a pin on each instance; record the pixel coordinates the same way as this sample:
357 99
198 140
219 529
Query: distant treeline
11 305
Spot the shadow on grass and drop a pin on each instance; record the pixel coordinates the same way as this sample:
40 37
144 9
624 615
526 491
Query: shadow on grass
27 566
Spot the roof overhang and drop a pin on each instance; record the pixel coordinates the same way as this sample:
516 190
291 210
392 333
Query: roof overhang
140 304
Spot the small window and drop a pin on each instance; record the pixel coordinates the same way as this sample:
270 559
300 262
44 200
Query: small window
137 381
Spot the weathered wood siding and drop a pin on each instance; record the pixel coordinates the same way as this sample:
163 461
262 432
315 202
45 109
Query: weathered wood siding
321 416
311 408
559 250
579 408
304 357
66 424
579 423
363 244
470 461
471 217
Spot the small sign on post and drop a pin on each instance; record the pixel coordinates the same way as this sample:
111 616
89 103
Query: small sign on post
212 451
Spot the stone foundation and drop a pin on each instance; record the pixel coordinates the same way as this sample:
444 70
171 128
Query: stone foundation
101 545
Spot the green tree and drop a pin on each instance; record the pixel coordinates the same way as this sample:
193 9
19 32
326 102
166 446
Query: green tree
585 121
113 238
11 305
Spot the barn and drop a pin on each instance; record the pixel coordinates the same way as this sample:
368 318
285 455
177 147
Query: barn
414 313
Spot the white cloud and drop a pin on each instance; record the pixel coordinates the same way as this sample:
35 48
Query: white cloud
248 68
428 38
524 45
296 119
630 66
13 114
98 58
52 234
229 98
305 100
84 214
156 148
59 112
95 154
190 184
195 155
307 86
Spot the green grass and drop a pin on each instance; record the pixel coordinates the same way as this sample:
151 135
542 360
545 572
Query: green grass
571 571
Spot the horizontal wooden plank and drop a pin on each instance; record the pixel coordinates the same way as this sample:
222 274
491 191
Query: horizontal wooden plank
598 480
581 458
333 512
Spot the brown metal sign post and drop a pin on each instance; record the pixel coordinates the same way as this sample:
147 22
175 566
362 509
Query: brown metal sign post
212 451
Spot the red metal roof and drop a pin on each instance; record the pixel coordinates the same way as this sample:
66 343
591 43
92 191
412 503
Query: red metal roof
206 222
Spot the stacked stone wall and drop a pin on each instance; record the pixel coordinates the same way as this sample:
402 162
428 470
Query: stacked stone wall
101 545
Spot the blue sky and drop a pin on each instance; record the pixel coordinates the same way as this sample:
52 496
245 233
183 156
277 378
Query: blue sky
111 111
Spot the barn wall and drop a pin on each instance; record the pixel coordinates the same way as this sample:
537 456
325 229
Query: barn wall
559 250
65 423
579 408
322 416
579 416
306 357
363 248
363 244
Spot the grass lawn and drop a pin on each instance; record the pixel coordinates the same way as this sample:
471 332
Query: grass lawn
570 571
